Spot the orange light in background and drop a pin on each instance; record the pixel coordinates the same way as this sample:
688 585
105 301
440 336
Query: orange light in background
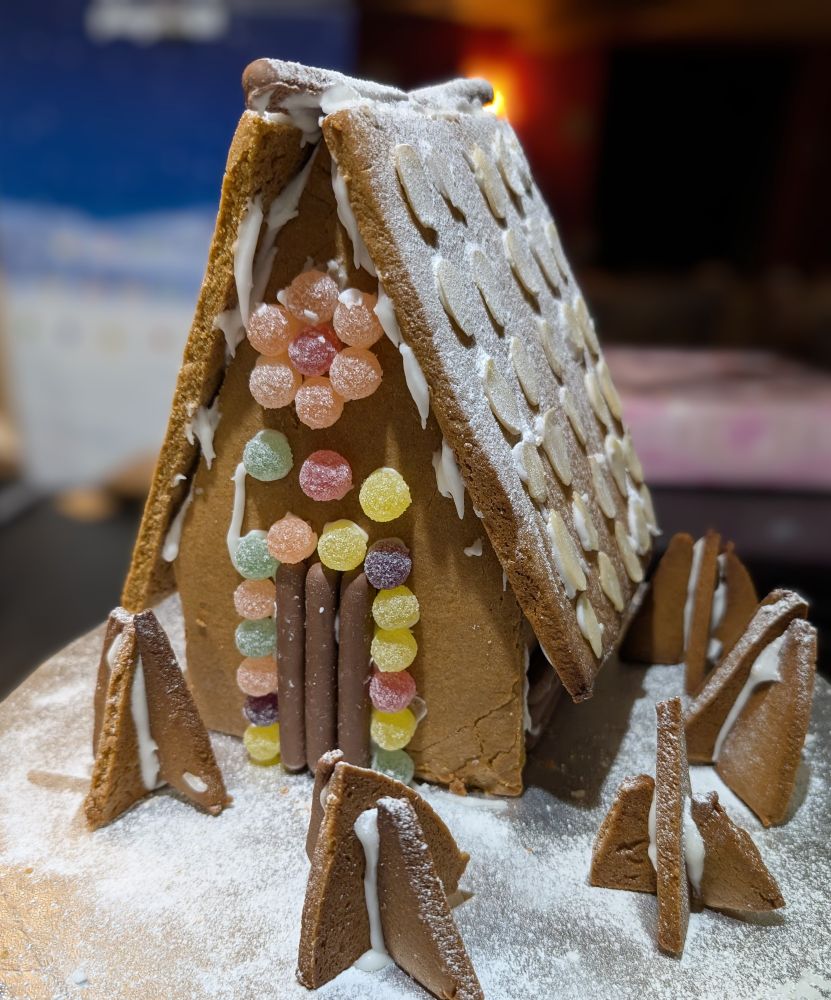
502 76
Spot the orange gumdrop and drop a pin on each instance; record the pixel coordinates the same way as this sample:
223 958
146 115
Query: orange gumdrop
274 382
271 329
291 539
311 297
317 403
355 373
354 321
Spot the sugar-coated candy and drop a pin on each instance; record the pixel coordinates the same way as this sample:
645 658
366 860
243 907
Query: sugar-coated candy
313 350
392 730
263 743
342 545
261 710
274 382
271 329
267 456
258 676
388 563
384 495
355 373
355 321
317 403
396 764
325 475
257 638
252 559
291 539
254 599
312 297
395 608
393 649
391 691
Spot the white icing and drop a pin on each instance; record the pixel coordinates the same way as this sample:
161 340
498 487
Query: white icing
360 254
177 477
416 383
652 850
193 781
351 297
694 849
202 426
232 327
244 248
173 538
448 478
366 830
764 669
235 527
698 553
718 609
147 747
475 548
386 316
519 464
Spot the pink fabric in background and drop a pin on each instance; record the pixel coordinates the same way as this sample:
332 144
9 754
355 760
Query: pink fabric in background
726 418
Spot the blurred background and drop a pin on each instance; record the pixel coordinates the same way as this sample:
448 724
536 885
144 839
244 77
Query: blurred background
684 147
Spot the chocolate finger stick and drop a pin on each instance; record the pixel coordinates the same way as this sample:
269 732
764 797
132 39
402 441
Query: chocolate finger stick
290 583
353 668
321 663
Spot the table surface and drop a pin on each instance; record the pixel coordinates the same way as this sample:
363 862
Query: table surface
169 902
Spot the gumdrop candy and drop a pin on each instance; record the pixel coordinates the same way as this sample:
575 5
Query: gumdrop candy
262 710
325 475
355 321
312 351
390 692
273 382
252 558
312 297
392 730
355 373
291 539
271 329
267 456
384 495
388 563
257 677
317 403
254 599
395 608
256 639
396 764
263 743
342 545
393 649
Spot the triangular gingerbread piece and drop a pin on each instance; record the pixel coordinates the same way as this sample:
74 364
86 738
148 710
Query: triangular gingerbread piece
419 930
335 926
656 634
620 857
147 729
760 751
734 602
698 608
708 712
734 875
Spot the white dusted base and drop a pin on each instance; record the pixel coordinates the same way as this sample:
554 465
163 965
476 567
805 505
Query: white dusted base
168 902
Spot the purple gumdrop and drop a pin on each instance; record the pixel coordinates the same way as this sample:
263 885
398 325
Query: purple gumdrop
388 564
261 710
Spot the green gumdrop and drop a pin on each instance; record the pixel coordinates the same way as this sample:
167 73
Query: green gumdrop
253 560
396 764
267 456
256 638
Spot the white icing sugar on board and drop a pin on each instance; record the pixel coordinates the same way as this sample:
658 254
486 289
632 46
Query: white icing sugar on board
216 901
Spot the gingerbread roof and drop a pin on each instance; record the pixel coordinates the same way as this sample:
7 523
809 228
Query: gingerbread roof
437 199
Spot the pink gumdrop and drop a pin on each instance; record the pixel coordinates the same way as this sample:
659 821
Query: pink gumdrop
325 475
291 539
317 403
273 382
355 373
312 351
271 329
312 297
391 692
355 321
254 599
257 677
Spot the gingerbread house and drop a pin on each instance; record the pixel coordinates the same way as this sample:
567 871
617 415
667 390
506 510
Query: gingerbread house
396 485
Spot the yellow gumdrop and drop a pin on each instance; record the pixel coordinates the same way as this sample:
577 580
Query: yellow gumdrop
263 743
342 545
393 649
395 608
392 730
384 495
